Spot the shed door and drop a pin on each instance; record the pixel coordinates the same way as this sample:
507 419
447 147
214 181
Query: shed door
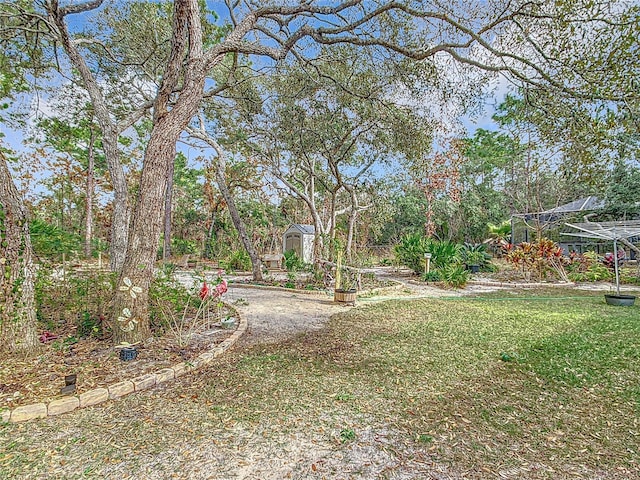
294 242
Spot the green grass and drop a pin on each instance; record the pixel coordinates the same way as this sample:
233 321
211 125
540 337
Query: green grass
543 387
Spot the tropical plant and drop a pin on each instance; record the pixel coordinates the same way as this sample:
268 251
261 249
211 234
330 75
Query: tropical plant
541 257
444 253
454 275
410 251
499 235
587 267
432 276
292 262
475 254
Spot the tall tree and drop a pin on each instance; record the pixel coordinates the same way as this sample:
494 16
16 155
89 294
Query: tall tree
220 173
326 126
17 304
18 321
79 139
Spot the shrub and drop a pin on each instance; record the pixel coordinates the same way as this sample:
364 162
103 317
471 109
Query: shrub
475 254
292 262
51 241
181 246
238 260
79 298
586 267
455 275
444 253
432 276
410 251
628 278
541 257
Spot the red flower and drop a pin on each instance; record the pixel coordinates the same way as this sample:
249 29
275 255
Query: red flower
204 291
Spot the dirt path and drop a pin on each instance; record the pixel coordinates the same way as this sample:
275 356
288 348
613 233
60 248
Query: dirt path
274 315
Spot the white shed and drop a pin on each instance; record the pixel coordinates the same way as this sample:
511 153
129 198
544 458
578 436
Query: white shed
299 238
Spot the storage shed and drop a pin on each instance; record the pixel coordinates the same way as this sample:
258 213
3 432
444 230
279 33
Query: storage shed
299 238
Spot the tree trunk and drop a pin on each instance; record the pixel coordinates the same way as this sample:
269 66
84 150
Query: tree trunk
166 247
256 264
221 180
110 133
121 213
185 64
88 220
353 216
17 304
208 249
131 301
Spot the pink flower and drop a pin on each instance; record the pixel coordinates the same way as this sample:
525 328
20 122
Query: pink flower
221 288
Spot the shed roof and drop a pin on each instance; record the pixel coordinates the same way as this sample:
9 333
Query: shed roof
304 229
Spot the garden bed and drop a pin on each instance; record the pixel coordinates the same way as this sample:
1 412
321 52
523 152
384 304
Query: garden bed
96 363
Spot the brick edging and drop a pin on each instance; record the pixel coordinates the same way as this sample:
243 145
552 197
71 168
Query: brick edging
99 395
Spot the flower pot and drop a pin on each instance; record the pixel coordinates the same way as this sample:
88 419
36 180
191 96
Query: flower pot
345 296
620 300
128 353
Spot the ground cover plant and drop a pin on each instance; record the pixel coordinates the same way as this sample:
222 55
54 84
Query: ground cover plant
509 385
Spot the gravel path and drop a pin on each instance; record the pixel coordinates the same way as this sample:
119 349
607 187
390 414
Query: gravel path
274 315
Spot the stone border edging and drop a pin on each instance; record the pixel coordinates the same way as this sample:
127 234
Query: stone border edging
102 394
492 283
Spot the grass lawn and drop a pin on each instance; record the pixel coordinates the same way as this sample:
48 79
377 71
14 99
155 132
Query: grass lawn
500 386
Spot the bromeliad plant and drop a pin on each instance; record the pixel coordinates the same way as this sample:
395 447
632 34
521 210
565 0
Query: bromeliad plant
475 254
